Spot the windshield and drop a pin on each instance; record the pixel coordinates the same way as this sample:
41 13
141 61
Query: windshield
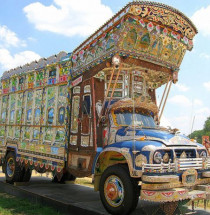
127 118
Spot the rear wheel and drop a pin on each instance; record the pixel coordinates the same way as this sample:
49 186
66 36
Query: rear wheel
119 192
13 171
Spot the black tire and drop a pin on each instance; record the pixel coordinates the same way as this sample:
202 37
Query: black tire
128 186
26 175
13 171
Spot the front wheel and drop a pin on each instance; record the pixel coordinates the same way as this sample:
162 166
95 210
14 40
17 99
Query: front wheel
119 193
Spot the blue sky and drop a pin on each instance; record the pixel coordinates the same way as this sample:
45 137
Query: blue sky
31 29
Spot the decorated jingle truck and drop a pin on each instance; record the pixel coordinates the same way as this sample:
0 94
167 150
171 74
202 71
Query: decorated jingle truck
94 112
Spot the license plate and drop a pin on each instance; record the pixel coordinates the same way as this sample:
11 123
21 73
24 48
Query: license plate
190 179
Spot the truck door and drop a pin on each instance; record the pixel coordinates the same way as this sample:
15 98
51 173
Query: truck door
83 129
86 118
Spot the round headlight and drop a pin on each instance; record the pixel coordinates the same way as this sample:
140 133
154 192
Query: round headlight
203 154
157 157
166 158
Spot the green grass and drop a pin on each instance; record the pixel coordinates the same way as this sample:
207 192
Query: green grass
10 205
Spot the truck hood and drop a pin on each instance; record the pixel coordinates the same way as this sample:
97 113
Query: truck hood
167 138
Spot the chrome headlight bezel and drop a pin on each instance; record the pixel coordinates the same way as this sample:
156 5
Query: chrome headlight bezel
157 157
203 154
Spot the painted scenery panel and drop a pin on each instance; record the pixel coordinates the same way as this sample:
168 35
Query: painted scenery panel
12 109
37 111
29 107
51 102
61 105
19 108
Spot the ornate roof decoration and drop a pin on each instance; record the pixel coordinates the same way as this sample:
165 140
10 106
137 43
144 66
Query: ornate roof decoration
35 65
148 31
141 102
169 16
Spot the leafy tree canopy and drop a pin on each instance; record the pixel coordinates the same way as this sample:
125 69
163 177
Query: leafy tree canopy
204 132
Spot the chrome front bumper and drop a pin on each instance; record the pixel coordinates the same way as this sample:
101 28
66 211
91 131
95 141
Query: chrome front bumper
183 179
179 165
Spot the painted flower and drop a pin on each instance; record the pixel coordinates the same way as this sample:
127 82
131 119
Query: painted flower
190 42
178 37
165 31
103 36
185 40
115 37
81 53
175 45
166 41
158 29
142 23
74 58
173 34
138 11
150 26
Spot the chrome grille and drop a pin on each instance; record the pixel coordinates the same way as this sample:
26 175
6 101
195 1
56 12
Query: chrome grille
190 153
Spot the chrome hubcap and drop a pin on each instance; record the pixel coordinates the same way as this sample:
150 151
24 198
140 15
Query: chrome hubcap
10 167
114 191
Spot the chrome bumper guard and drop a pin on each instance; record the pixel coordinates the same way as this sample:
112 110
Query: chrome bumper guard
179 165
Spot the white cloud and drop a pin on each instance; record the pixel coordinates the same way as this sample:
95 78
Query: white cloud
165 122
32 39
197 102
9 38
181 87
204 55
70 17
181 122
200 117
183 101
180 100
190 121
201 18
8 61
207 85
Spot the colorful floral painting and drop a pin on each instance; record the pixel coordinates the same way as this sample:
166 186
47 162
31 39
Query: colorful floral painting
60 136
48 134
2 131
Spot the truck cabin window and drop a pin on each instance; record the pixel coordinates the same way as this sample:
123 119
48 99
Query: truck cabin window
128 118
86 105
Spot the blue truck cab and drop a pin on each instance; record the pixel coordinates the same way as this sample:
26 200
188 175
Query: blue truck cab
160 164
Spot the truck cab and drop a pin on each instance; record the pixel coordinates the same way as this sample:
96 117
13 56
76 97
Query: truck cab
159 163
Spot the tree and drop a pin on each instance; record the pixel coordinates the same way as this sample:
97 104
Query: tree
207 125
199 133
